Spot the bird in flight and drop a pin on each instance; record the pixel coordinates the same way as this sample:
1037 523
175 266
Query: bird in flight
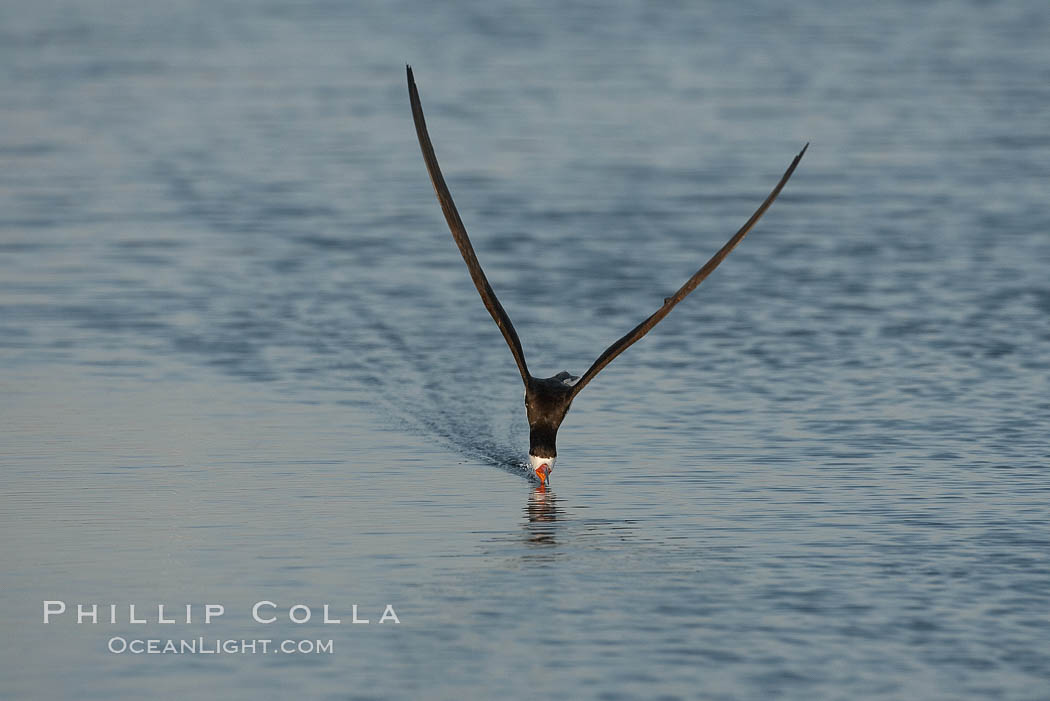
547 400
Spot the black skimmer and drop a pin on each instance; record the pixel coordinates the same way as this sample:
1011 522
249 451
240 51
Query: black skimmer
547 400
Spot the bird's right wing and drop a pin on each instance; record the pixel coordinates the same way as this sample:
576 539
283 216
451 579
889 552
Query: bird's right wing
459 233
691 284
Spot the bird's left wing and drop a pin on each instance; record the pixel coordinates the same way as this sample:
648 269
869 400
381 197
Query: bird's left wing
691 284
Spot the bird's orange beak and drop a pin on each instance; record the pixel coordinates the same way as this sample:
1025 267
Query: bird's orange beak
543 473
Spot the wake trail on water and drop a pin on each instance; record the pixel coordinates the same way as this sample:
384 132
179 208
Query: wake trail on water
339 316
432 394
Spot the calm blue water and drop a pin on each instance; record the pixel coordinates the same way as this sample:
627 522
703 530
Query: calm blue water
241 359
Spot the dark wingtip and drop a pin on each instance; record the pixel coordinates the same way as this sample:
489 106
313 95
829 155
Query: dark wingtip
408 69
800 153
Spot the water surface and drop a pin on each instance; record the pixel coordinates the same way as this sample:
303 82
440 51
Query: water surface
241 359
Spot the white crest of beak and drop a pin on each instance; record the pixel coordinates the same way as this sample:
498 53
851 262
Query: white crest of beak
535 462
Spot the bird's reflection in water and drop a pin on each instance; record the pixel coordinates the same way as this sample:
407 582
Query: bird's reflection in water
542 512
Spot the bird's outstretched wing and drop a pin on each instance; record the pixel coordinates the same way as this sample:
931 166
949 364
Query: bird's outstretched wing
691 284
459 233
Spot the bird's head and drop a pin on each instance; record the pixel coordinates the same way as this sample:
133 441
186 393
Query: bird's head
546 402
541 467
